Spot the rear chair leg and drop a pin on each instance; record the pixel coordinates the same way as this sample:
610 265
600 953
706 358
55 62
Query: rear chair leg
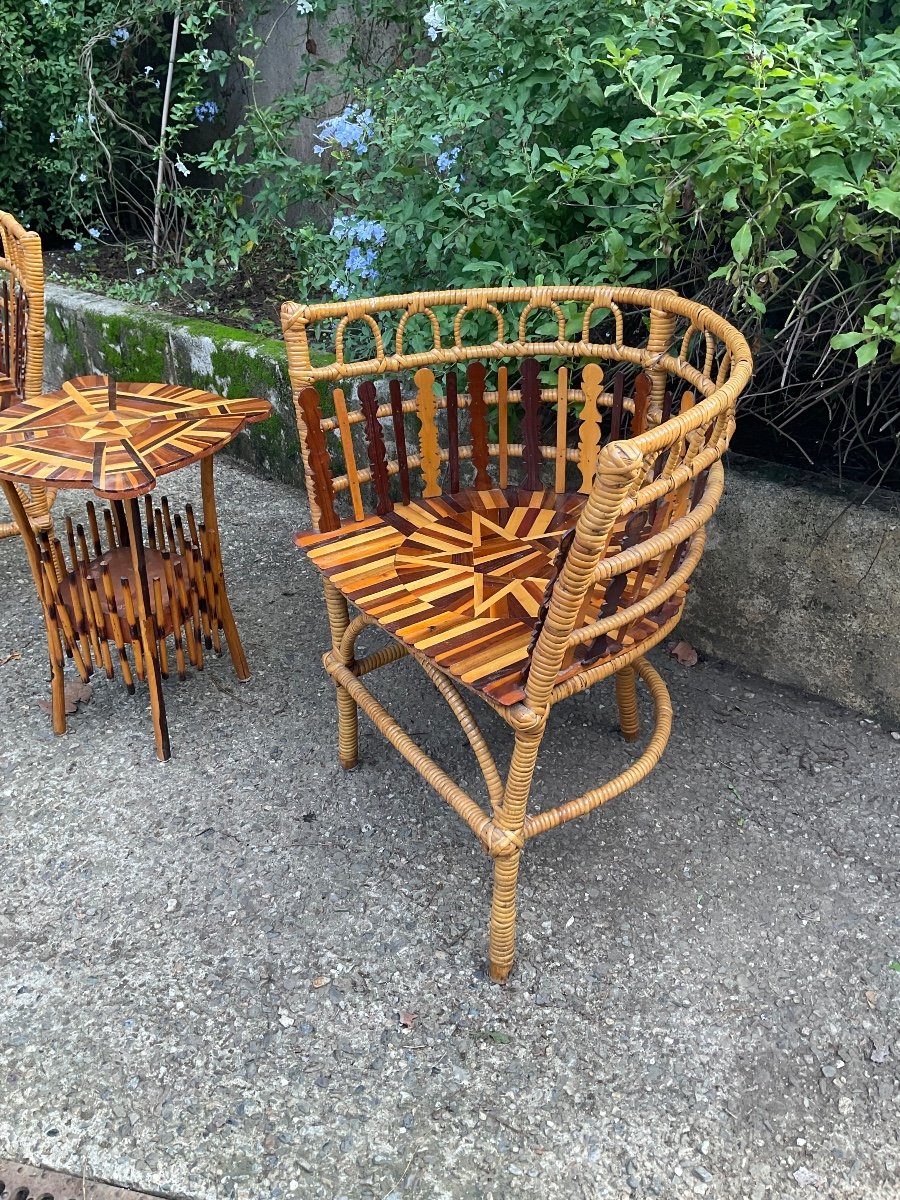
348 714
626 698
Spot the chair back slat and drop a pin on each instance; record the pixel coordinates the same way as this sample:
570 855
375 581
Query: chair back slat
368 398
317 458
478 426
343 418
429 453
531 430
589 433
451 393
396 394
503 426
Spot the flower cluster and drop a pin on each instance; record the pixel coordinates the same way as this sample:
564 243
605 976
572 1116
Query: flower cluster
364 237
207 111
446 159
119 37
352 129
304 7
435 21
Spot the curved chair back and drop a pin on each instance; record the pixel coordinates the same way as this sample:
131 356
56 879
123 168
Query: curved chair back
621 398
21 312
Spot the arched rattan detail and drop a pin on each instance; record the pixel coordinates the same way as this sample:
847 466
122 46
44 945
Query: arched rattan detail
367 319
22 313
604 570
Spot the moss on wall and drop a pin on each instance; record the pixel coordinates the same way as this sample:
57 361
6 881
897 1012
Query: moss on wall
87 334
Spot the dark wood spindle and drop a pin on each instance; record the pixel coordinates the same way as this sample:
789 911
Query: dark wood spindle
478 424
375 447
400 437
615 418
452 390
317 456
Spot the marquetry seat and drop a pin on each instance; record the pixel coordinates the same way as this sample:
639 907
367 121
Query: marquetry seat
511 485
462 580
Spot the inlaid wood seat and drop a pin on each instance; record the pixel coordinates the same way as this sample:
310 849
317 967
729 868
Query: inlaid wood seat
519 512
462 580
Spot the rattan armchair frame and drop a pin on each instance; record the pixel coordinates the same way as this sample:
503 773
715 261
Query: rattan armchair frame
667 476
22 342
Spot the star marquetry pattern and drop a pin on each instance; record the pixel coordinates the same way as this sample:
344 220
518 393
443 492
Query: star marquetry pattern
76 438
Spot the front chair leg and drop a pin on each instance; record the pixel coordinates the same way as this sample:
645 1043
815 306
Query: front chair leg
509 820
348 714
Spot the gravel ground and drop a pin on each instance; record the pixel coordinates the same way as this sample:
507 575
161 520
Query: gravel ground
249 974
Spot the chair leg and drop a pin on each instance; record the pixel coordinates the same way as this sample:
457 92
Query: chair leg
348 714
510 818
57 681
626 698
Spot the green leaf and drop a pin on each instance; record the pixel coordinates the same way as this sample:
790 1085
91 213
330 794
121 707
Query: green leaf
845 341
742 243
866 353
885 200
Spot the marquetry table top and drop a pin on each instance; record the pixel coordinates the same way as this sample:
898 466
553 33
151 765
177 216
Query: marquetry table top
117 438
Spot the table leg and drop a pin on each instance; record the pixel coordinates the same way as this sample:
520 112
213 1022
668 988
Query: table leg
148 634
210 521
54 643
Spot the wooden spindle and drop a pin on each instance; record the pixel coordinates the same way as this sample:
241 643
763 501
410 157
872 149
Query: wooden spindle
478 423
131 617
375 447
192 524
175 614
318 460
343 419
70 538
503 424
160 532
451 387
149 522
531 432
615 418
429 453
179 534
109 595
100 623
195 651
167 521
400 437
110 530
94 528
159 626
589 432
211 588
6 348
643 388
199 582
562 429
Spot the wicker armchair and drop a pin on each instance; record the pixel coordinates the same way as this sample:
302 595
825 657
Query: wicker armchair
522 532
22 340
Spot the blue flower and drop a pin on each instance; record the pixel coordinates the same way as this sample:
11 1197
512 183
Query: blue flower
207 111
446 159
340 289
435 21
362 262
352 129
347 228
94 231
119 35
52 138
76 246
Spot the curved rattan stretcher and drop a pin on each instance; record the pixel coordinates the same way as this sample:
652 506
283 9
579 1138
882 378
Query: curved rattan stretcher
22 343
523 530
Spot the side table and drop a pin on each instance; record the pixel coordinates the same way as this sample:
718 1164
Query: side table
129 580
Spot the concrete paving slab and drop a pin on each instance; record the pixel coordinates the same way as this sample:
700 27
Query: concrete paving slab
205 962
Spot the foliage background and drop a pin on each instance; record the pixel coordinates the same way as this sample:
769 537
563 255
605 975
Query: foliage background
745 153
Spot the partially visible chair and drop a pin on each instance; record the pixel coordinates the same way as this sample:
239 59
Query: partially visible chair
22 341
517 518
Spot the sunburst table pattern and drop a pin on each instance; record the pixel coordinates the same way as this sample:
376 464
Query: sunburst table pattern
117 438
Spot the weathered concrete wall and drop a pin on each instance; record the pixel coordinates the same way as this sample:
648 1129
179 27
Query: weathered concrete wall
801 580
801 583
89 334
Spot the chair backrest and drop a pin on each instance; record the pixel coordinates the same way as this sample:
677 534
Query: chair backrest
21 312
622 394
